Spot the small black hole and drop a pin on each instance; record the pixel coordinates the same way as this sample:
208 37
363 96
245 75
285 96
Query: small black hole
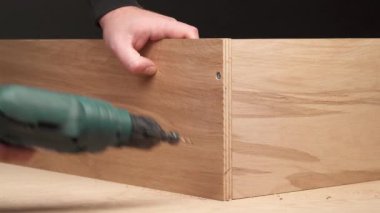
218 75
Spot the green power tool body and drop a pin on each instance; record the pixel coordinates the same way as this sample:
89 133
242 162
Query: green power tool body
31 117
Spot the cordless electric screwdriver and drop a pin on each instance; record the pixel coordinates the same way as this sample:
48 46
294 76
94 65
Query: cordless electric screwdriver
32 117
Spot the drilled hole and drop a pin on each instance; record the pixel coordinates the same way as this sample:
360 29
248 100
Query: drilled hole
218 75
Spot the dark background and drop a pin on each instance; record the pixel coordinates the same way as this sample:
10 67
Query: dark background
214 18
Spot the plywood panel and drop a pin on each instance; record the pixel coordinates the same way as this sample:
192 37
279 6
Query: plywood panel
305 114
184 95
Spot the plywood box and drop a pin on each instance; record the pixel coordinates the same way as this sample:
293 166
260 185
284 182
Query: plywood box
258 116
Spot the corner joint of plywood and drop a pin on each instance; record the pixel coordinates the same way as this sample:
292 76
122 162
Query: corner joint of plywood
227 119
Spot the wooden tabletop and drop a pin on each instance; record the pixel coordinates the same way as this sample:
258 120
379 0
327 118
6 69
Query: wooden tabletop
31 190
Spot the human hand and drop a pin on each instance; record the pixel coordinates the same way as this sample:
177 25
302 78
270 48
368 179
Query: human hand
126 30
8 153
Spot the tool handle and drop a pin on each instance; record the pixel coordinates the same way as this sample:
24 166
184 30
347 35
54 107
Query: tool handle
32 117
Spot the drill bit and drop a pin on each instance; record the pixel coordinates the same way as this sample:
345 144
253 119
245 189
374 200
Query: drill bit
146 133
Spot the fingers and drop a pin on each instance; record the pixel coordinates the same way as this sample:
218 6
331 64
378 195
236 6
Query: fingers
189 31
126 31
138 64
175 29
133 61
171 28
130 57
8 153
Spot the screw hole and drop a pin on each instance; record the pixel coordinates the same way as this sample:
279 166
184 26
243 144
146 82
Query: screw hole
218 75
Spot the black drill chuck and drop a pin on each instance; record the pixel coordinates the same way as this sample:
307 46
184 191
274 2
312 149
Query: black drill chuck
147 133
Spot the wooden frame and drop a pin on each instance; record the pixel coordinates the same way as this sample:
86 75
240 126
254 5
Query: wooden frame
286 115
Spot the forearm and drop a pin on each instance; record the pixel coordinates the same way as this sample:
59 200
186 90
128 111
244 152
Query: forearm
101 7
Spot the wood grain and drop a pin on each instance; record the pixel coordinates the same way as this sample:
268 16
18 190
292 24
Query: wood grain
184 96
299 114
305 114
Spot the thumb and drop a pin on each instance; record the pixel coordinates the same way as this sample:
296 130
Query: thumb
133 61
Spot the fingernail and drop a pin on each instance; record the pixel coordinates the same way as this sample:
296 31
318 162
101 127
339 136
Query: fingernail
150 70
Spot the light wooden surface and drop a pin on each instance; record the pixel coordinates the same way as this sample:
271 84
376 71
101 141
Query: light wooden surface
305 114
31 190
184 96
301 114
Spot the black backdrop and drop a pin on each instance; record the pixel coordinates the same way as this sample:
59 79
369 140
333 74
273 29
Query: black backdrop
214 18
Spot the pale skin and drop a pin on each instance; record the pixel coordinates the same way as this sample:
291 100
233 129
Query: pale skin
126 31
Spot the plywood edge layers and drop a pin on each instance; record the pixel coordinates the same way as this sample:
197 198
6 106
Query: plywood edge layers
227 119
